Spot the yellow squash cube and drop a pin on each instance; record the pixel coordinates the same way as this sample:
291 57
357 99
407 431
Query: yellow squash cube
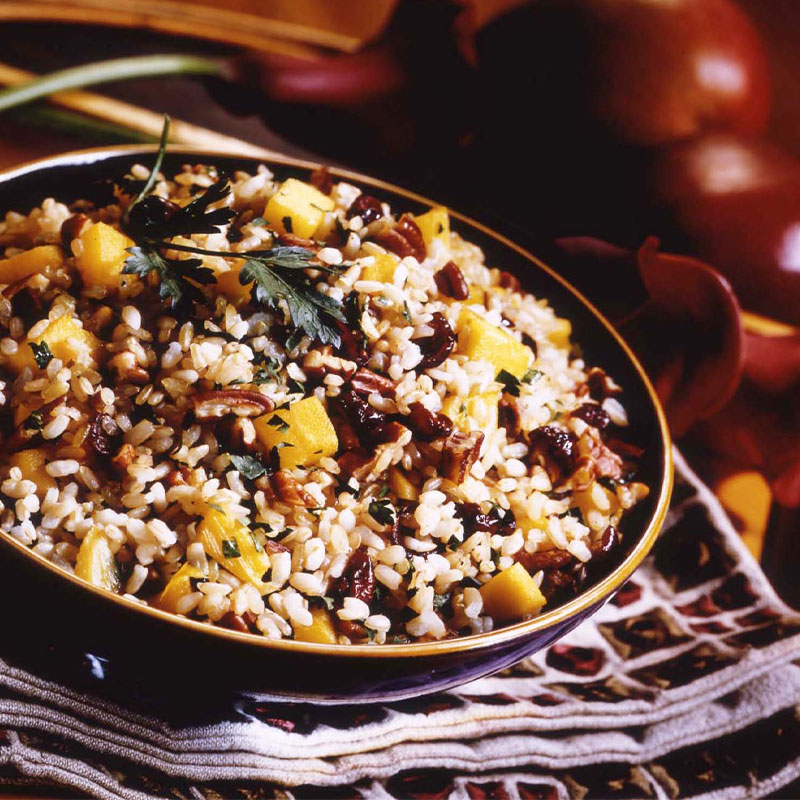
511 595
561 332
65 338
401 485
297 208
481 341
382 269
320 630
434 224
96 563
233 547
180 584
479 410
303 433
31 464
32 262
103 257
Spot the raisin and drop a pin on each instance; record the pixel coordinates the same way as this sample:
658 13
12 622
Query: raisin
450 282
404 239
438 346
557 450
321 179
351 344
592 414
103 434
427 425
367 207
473 518
71 229
607 542
543 559
358 578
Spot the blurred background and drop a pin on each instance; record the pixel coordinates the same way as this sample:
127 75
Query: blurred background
580 128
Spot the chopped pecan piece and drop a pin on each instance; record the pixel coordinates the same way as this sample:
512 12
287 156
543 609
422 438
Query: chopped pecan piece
450 282
124 458
290 240
319 363
459 453
365 381
404 239
272 547
235 622
321 179
543 559
290 490
428 425
508 417
217 403
607 464
128 369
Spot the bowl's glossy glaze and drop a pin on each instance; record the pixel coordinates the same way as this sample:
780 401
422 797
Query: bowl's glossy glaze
146 649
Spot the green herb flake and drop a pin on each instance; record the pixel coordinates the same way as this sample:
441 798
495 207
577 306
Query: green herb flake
248 466
215 507
287 224
230 548
509 381
406 312
328 601
278 422
35 422
532 375
258 222
382 511
41 354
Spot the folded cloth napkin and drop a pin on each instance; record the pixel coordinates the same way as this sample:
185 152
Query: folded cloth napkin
682 686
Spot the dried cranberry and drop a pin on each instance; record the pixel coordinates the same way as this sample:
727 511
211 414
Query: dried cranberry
592 414
438 346
557 451
363 416
103 434
149 214
543 559
474 519
351 344
450 282
427 425
358 578
561 585
509 281
607 542
367 207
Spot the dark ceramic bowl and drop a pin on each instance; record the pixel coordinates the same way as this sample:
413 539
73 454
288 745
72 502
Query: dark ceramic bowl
52 612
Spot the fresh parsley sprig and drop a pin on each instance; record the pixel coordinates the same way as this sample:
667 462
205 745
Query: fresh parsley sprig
278 275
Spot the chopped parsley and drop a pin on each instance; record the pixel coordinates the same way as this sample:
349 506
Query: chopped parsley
382 511
509 381
276 421
230 548
532 375
287 224
249 466
41 354
35 422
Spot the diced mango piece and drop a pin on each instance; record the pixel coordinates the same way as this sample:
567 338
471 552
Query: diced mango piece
31 464
179 585
64 337
303 433
32 262
401 485
297 208
477 295
560 334
229 285
481 408
320 630
382 269
233 547
25 409
434 224
96 563
103 256
511 595
481 341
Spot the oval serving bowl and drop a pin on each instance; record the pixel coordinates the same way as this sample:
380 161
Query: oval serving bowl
135 645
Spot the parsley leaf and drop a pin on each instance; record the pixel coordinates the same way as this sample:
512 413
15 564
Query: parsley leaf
382 511
230 548
509 381
249 466
179 278
41 353
276 276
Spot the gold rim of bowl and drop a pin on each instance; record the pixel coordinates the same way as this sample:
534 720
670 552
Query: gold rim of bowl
593 595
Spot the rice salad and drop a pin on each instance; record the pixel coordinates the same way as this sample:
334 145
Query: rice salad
282 407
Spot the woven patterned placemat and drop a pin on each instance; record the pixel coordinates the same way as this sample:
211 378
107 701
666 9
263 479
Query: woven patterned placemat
682 686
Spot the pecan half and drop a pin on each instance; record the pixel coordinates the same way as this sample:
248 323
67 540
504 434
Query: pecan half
459 454
450 282
428 425
290 490
217 403
365 381
319 363
124 458
404 239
